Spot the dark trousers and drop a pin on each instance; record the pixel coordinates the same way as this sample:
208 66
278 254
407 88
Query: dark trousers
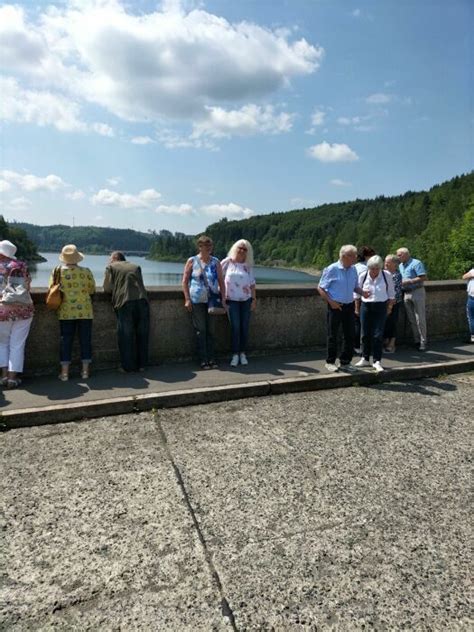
239 316
372 317
336 318
356 331
391 322
203 325
67 329
133 327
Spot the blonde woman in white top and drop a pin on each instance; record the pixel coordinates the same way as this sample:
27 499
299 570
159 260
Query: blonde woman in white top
378 286
239 283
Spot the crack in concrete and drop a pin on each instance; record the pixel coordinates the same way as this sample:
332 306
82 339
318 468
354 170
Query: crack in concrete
225 607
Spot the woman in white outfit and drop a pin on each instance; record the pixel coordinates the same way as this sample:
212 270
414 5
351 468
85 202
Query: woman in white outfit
15 317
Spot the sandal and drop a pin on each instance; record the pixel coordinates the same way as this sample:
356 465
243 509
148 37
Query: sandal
64 377
4 381
13 382
205 366
85 375
213 364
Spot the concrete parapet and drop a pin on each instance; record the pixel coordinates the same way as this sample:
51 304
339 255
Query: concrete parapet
288 318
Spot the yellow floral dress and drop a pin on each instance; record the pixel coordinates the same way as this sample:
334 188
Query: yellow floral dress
77 285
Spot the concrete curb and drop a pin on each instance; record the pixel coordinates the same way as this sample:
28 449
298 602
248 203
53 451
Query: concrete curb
61 413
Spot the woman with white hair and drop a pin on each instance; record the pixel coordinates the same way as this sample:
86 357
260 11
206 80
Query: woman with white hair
240 295
377 302
16 314
75 311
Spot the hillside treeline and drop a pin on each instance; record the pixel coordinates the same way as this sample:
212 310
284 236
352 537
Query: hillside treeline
27 250
437 226
90 239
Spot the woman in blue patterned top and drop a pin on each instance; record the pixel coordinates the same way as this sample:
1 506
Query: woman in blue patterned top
391 264
203 273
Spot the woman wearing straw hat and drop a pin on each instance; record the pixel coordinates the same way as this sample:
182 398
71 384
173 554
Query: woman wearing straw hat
75 311
16 314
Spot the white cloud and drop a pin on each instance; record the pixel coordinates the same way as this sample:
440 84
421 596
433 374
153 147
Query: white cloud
379 98
175 209
30 182
348 120
340 183
142 140
18 204
103 129
337 152
249 120
231 210
113 181
174 140
145 199
317 118
166 64
4 186
356 13
298 202
39 107
76 195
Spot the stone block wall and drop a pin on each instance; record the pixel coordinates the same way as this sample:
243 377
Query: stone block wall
288 318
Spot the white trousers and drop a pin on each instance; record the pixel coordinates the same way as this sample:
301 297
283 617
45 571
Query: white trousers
416 312
13 335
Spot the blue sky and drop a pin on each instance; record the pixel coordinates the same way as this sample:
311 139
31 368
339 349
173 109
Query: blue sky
173 115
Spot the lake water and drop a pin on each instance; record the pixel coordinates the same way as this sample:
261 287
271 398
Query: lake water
159 272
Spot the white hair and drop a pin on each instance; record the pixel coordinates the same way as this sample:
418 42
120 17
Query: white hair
404 251
393 259
375 262
347 250
242 242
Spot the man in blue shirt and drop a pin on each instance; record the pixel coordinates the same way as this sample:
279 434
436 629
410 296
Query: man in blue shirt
337 286
413 278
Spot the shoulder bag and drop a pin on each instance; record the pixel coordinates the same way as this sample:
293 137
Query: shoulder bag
54 297
15 293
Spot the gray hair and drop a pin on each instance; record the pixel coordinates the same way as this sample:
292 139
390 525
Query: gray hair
404 251
246 244
375 262
393 259
347 250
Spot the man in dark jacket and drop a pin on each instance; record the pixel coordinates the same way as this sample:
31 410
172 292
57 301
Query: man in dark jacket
124 281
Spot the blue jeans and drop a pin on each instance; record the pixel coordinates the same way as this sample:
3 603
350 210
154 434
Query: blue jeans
133 326
67 330
239 315
470 313
203 325
372 318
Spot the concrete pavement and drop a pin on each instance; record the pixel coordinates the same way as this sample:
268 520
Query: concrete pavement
331 510
47 400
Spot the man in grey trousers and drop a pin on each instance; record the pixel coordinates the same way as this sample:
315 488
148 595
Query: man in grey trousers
413 278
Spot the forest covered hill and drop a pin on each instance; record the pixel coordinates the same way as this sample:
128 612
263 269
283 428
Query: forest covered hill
89 239
436 225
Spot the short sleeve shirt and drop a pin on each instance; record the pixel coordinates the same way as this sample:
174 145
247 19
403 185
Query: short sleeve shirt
339 282
197 286
77 285
411 269
238 279
470 284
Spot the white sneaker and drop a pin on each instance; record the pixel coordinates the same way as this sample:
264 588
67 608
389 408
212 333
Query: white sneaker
332 368
363 362
472 338
378 367
357 350
235 360
243 359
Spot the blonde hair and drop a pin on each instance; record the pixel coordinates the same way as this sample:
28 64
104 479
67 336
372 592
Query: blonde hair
242 242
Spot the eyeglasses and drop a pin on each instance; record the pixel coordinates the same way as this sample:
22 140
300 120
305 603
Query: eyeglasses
242 248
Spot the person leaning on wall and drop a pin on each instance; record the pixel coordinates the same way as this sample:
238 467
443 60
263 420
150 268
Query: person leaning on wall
75 312
202 275
413 279
124 281
240 294
16 314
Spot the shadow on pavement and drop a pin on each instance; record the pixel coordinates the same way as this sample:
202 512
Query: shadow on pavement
421 388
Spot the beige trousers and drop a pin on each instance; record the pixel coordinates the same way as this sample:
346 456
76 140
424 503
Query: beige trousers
416 312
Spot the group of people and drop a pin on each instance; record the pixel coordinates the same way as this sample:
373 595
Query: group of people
363 295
